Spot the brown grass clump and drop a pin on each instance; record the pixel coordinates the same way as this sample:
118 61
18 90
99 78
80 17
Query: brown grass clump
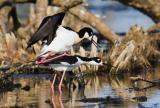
136 51
13 50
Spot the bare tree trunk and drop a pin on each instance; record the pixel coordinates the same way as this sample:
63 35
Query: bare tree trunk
148 7
41 11
4 19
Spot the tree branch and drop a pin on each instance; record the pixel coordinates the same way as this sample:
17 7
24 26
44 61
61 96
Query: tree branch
95 22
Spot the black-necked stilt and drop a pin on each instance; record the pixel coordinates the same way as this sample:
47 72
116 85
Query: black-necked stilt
65 39
57 38
68 63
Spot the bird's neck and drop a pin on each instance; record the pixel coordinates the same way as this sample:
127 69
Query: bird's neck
82 36
77 39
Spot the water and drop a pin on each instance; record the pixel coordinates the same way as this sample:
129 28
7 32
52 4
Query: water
118 16
119 90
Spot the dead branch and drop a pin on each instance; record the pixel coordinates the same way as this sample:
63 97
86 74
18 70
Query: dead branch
10 13
4 19
139 78
30 67
95 22
40 9
66 5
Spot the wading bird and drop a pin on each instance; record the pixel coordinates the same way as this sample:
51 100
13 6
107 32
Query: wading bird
68 63
57 38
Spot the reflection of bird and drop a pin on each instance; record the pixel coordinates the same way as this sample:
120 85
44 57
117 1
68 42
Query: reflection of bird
68 63
57 38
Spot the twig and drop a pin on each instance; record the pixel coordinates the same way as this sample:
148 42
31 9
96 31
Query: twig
139 78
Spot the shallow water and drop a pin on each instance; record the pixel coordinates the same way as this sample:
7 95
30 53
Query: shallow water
100 91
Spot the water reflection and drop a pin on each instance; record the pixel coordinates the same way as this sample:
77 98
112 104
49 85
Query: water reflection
96 92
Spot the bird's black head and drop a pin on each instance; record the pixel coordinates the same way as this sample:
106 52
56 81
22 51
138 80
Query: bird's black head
85 32
92 60
96 61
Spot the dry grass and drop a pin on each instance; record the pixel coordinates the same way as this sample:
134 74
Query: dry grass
136 50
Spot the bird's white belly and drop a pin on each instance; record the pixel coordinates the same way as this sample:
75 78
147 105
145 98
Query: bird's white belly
62 42
58 67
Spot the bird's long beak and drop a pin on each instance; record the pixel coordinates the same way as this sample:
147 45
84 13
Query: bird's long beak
91 39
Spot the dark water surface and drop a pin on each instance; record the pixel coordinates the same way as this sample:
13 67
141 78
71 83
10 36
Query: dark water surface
100 91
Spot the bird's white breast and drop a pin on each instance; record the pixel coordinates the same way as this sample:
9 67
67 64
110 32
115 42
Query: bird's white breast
59 67
63 41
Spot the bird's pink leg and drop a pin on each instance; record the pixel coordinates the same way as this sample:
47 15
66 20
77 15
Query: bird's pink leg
60 100
50 59
60 84
52 91
51 53
52 84
48 54
60 92
53 102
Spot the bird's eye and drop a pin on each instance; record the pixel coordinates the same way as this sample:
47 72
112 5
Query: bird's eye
98 60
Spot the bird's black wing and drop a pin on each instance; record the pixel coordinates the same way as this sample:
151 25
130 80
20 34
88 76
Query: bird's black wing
47 29
64 59
44 21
